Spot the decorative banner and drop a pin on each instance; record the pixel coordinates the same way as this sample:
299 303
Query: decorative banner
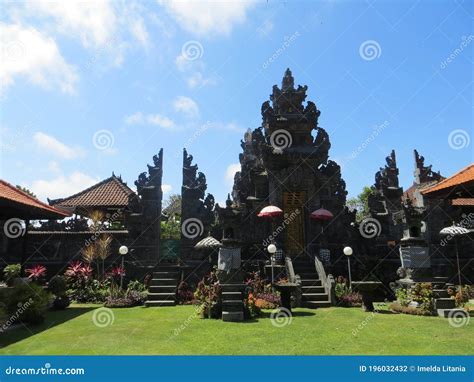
203 368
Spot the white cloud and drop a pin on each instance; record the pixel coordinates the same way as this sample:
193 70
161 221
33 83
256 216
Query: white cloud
94 22
186 105
208 19
53 167
26 52
197 80
135 118
166 188
230 172
62 186
159 120
56 147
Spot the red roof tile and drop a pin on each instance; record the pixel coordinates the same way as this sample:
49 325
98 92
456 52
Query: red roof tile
17 203
462 177
463 202
111 192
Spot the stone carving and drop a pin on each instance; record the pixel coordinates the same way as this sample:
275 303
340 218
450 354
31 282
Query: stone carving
143 216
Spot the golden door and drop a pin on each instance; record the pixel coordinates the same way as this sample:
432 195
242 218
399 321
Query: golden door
293 203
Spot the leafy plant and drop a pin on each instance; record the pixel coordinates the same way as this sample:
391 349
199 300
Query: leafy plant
28 303
184 294
461 294
37 273
11 272
208 296
58 286
82 287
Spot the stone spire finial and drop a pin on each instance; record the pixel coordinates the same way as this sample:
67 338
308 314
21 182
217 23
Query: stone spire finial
288 82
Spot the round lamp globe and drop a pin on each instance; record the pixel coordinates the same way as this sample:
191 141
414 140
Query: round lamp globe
347 251
272 248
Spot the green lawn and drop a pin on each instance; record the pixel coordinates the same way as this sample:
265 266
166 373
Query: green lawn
176 330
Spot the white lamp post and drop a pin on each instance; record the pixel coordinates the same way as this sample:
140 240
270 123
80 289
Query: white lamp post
272 250
348 252
123 250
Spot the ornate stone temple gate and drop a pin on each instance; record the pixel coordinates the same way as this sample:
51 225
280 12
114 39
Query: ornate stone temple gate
285 162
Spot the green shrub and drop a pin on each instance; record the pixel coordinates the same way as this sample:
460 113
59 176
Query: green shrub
57 286
28 303
11 272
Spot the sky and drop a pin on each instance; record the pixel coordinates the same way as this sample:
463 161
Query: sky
88 88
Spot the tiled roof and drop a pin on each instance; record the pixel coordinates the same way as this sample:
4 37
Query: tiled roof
462 177
463 202
21 205
111 192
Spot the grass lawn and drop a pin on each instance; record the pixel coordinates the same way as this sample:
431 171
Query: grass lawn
177 330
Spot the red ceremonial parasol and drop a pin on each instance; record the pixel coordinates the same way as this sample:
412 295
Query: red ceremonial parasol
270 211
321 214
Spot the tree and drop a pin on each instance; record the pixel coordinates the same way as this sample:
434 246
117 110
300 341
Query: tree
27 191
172 205
361 203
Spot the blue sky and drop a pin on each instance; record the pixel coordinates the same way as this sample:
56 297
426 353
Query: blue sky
95 87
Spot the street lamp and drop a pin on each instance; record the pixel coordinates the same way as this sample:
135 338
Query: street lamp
123 250
272 250
348 252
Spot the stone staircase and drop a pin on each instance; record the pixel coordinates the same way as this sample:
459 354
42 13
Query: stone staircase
163 286
445 306
232 302
313 294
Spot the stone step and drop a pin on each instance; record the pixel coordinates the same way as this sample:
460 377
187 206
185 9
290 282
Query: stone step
315 297
311 282
161 297
447 313
162 289
168 268
165 275
232 303
159 303
316 304
233 287
311 275
312 289
231 295
440 293
155 282
232 316
445 303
